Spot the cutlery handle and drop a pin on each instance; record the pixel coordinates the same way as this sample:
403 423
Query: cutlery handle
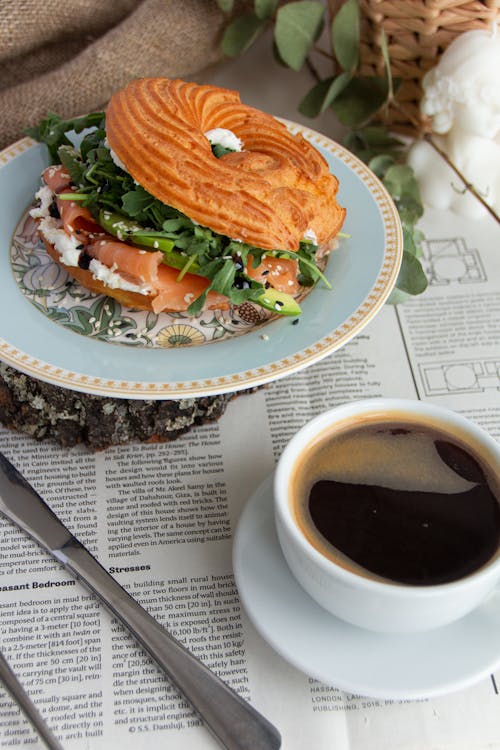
234 723
22 698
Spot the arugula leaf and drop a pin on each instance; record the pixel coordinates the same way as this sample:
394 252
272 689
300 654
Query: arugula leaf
52 131
218 150
136 202
71 162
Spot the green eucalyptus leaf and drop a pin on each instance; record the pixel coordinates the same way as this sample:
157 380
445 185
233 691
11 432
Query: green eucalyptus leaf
411 278
418 238
373 140
298 25
410 210
380 164
360 100
401 183
354 141
241 34
312 103
345 35
265 8
336 88
225 5
321 96
377 136
409 244
277 56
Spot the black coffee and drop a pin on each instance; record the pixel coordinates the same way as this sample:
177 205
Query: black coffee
399 501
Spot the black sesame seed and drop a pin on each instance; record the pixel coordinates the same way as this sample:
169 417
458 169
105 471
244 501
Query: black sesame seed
54 211
279 304
84 261
264 273
295 322
241 283
80 247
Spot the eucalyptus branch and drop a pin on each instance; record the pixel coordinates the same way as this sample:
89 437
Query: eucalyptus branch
324 53
312 69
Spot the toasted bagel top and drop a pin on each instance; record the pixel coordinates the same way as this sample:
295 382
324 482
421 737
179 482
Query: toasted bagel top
269 194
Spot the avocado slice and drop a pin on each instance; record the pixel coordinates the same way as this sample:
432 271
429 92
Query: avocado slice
127 229
278 302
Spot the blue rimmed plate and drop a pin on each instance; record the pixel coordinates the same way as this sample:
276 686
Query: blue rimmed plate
362 271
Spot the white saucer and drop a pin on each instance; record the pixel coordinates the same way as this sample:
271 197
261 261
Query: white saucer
334 652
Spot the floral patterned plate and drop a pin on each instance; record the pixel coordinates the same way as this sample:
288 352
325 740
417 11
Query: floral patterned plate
64 301
57 331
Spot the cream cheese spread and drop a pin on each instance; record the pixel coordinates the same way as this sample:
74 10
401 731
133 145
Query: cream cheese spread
69 246
225 138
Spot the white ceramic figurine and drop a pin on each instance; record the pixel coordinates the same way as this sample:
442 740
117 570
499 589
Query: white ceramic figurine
462 98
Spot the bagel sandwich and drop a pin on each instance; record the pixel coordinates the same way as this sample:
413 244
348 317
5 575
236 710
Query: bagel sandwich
181 198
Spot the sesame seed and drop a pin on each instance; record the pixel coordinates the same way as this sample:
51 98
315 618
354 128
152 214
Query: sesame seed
264 337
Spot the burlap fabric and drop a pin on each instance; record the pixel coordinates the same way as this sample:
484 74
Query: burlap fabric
68 57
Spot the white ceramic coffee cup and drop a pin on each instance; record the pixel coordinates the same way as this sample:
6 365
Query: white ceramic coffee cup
369 602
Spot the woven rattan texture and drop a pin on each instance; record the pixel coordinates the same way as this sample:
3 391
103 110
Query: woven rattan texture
417 33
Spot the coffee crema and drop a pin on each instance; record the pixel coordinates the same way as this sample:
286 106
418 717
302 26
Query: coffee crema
398 501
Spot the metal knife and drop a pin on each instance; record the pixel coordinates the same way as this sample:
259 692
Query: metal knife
232 721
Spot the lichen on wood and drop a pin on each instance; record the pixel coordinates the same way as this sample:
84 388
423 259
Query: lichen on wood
45 411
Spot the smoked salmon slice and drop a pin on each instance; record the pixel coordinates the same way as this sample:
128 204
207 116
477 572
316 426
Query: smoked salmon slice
139 266
56 178
77 219
176 296
280 273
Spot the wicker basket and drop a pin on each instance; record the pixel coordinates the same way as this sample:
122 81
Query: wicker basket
417 33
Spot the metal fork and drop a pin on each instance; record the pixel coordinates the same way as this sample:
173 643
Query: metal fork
31 712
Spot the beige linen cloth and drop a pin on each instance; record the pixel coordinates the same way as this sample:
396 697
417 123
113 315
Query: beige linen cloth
68 56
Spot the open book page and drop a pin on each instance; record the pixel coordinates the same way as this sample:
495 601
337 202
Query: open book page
161 518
